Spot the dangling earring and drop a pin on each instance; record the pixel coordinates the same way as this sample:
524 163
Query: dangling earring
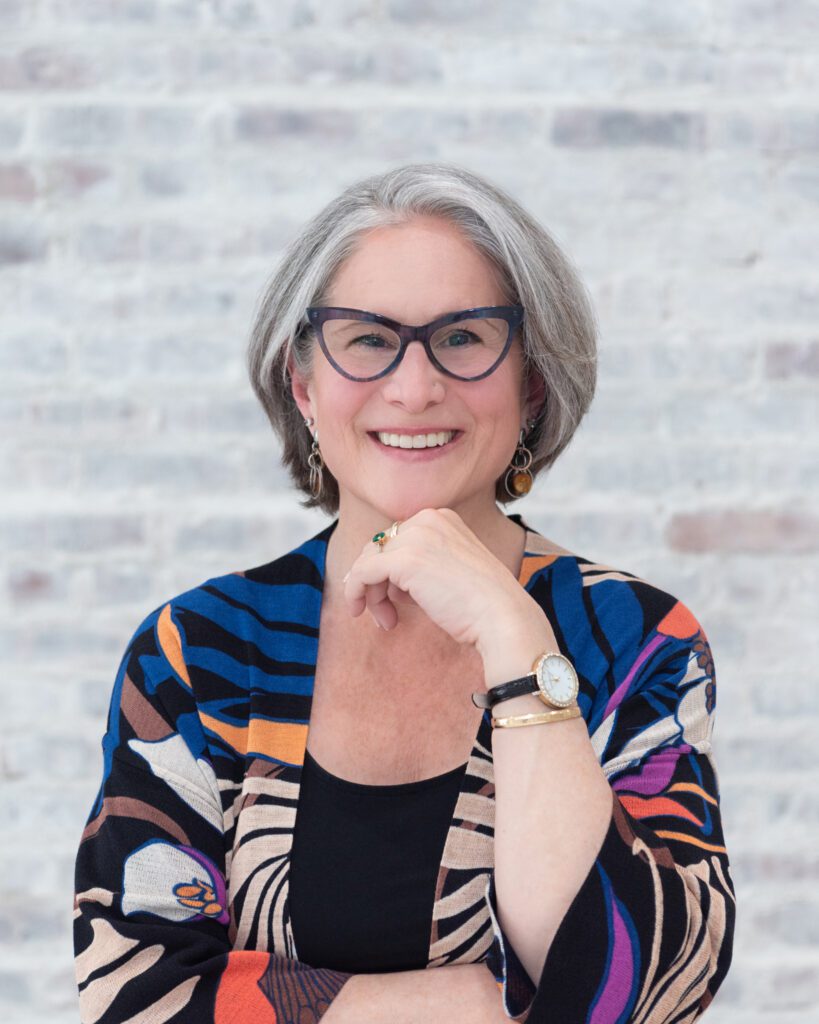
315 462
522 479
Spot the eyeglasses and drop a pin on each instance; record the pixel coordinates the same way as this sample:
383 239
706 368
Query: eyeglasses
467 345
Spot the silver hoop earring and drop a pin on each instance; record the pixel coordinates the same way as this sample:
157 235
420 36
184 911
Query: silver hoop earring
315 462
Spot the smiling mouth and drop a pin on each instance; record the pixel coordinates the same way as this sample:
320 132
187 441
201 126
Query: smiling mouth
436 439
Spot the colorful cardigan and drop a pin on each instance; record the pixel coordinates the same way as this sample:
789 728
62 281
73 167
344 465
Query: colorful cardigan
181 904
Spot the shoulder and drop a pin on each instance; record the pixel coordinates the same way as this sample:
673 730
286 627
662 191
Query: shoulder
238 607
613 606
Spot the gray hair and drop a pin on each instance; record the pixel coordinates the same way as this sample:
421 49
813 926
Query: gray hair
559 331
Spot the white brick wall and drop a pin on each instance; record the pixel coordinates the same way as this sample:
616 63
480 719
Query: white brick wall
155 155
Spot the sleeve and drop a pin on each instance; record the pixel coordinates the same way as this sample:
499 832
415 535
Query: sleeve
152 930
648 937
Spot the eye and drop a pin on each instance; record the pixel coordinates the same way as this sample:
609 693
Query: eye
459 339
371 341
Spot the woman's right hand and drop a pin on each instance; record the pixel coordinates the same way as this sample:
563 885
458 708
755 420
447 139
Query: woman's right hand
437 995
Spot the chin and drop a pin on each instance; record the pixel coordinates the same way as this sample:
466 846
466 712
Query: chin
404 507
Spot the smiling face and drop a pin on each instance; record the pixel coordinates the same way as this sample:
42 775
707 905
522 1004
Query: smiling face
414 273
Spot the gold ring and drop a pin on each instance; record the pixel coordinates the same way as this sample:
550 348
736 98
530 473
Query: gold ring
382 537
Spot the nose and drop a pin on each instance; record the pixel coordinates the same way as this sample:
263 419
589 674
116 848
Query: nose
413 383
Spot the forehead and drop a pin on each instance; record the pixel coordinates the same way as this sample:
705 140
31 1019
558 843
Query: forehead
415 272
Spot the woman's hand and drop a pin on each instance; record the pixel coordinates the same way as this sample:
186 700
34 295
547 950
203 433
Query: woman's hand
437 562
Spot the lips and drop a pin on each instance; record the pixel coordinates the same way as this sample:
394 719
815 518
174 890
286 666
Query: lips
451 435
412 453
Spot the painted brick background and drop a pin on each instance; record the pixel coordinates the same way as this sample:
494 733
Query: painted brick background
156 155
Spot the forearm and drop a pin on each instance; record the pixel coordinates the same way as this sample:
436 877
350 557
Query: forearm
438 995
552 808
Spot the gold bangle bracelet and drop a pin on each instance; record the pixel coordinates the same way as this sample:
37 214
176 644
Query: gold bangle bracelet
541 718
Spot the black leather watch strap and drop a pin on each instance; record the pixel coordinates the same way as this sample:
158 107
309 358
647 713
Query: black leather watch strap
514 688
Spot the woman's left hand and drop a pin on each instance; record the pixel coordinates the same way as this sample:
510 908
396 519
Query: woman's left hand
438 563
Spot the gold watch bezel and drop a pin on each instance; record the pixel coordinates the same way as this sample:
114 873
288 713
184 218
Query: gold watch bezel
542 692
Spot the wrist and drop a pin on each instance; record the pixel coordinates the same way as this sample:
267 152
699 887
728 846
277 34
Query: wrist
512 652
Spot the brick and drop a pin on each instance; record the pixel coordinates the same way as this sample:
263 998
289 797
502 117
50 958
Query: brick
43 68
163 125
763 530
17 183
750 72
116 415
14 988
769 747
213 415
175 243
264 473
74 178
404 61
86 533
256 14
128 14
12 128
776 866
16 13
168 179
35 352
740 22
34 467
29 586
109 243
757 299
52 642
266 124
224 533
781 132
169 473
588 129
82 126
787 918
787 359
482 14
626 21
185 355
596 71
22 242
779 804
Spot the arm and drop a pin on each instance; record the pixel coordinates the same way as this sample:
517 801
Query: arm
152 930
611 889
441 995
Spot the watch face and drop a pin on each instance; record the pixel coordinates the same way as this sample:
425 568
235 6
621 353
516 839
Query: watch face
558 680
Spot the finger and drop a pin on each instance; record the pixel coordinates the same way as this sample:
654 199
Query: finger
365 585
380 606
398 596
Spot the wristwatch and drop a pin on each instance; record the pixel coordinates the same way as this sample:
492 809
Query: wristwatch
553 678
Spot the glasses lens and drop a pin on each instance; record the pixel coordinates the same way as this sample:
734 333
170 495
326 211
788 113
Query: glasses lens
360 348
466 348
469 348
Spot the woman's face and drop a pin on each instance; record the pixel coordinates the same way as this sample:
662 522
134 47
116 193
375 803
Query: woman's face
415 273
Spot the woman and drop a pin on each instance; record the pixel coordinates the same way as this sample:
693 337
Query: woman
507 773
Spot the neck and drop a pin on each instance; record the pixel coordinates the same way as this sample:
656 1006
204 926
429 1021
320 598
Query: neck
356 525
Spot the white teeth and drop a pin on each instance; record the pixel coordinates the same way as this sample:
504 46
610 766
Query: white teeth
416 440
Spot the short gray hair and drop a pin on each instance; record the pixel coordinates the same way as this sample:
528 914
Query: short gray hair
559 330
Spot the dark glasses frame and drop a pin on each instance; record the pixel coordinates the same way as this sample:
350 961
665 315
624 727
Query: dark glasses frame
319 315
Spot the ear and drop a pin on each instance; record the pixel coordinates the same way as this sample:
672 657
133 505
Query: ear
301 390
534 395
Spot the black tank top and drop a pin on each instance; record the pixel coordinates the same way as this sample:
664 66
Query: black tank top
363 869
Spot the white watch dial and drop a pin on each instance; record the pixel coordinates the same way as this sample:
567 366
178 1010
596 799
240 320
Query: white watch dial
558 680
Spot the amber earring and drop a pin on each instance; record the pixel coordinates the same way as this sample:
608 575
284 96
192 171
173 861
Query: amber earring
519 479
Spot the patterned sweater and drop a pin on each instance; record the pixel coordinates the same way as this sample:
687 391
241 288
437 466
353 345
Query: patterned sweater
181 904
